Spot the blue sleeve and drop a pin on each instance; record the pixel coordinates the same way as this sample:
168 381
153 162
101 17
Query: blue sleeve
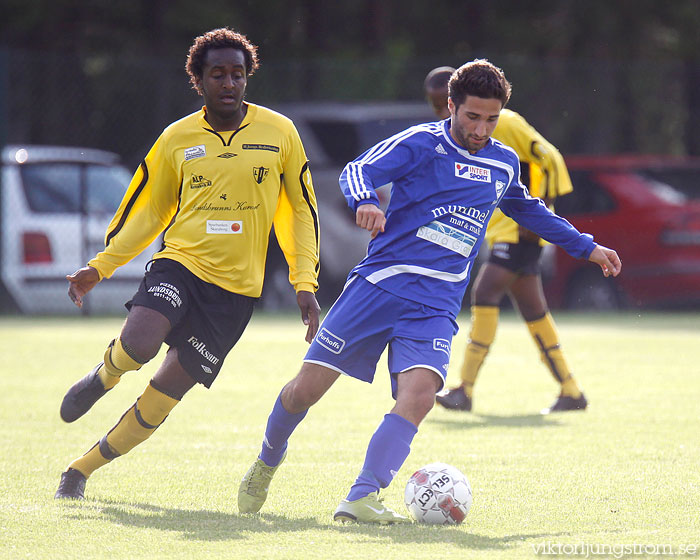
533 214
384 163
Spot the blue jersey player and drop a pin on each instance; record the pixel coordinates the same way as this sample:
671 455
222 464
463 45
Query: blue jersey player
448 177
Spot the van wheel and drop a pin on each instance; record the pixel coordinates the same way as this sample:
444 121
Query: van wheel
591 291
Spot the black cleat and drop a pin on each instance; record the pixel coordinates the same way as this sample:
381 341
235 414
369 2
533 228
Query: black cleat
81 396
455 399
72 486
565 403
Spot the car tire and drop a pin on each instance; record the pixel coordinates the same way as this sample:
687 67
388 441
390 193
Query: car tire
591 291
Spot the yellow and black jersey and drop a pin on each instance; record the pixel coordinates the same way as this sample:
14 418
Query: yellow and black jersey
549 177
218 194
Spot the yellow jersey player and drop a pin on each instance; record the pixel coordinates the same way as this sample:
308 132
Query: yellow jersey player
215 182
513 264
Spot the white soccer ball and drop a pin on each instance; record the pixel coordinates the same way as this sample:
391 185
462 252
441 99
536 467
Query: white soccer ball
438 494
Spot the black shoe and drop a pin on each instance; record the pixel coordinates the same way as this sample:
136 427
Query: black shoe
564 403
455 399
81 396
72 486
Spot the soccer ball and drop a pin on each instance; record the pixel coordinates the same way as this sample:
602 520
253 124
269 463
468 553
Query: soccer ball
438 494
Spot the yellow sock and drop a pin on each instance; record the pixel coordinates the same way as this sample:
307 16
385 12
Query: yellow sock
138 423
118 360
545 334
483 331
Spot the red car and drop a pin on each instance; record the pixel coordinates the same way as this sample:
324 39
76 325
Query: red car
648 209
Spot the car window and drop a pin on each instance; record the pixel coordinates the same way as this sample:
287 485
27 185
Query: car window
588 197
106 187
674 185
56 187
343 141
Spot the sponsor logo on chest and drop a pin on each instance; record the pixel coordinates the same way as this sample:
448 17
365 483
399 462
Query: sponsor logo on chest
449 237
199 182
224 227
472 172
195 152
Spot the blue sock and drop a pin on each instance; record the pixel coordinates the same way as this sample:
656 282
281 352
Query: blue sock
280 426
387 450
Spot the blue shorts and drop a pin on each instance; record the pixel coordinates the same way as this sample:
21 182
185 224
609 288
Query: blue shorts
365 319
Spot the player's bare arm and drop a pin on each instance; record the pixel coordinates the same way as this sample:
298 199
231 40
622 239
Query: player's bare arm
81 282
371 218
607 259
310 313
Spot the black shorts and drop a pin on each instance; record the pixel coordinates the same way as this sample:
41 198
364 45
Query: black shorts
206 320
520 258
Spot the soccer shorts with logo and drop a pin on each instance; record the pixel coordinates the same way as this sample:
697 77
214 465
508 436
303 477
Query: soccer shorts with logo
206 320
365 319
521 258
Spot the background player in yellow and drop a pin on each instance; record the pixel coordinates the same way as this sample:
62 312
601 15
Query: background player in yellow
215 182
513 264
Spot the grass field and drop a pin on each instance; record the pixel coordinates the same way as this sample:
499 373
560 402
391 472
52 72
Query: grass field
623 473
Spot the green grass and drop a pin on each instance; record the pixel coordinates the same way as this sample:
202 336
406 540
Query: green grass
623 472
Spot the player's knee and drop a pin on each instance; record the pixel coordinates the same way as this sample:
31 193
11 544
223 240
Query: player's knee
417 403
414 407
424 404
298 396
144 332
482 294
141 349
532 312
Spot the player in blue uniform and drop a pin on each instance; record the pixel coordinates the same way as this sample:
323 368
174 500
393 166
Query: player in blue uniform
448 177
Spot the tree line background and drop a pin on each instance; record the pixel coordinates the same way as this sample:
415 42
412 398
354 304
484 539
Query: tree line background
595 76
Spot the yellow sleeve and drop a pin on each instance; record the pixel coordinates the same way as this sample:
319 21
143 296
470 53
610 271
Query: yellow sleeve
296 218
531 147
148 206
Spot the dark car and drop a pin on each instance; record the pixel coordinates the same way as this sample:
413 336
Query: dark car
648 209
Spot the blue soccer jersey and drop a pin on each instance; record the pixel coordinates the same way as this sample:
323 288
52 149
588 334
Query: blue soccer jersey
442 198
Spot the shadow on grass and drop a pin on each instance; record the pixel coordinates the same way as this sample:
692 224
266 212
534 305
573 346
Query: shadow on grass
209 525
471 421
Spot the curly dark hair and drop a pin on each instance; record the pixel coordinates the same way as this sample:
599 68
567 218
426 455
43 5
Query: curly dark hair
479 78
222 38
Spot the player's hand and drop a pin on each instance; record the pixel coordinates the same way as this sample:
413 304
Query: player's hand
371 218
607 259
310 313
81 282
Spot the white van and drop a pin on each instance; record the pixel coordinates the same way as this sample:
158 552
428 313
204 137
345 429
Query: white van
55 206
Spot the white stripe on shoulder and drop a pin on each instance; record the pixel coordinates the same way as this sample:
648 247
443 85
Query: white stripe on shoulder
496 163
385 146
356 180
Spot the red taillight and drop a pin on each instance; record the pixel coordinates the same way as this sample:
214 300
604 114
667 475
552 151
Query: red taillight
36 248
